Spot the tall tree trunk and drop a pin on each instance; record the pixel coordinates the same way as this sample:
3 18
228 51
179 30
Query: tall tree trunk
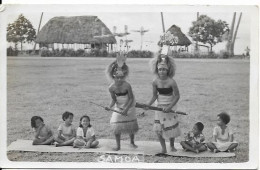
196 45
21 46
38 32
162 23
141 41
235 35
230 35
15 46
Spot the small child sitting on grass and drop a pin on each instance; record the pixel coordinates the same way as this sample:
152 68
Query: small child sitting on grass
223 138
66 131
194 139
85 134
43 134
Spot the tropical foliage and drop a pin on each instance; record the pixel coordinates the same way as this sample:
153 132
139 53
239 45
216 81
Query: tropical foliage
20 31
208 31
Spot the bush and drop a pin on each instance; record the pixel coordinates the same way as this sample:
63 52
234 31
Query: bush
184 55
224 54
80 53
212 55
131 54
11 52
62 52
70 53
103 53
32 52
56 52
87 54
95 52
139 54
112 54
196 55
46 53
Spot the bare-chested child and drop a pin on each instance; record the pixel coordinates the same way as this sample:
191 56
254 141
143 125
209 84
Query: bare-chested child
43 134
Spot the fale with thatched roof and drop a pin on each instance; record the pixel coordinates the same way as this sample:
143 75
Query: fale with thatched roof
180 38
76 32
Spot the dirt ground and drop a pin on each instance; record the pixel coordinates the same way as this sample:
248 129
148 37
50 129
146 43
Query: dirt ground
49 86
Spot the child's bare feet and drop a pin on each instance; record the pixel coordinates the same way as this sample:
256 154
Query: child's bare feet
56 144
231 150
164 151
132 145
86 146
173 149
215 150
116 149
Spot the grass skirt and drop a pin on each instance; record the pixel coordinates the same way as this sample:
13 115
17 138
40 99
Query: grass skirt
130 127
166 124
124 124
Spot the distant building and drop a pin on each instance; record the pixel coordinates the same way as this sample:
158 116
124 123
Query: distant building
75 32
182 42
202 48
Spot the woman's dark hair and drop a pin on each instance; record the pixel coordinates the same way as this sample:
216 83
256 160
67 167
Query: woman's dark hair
33 119
66 114
85 116
224 117
200 126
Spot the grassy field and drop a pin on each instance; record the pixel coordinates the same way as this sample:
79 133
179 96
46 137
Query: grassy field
50 86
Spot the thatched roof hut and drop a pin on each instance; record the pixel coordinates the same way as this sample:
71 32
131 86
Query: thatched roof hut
78 29
182 39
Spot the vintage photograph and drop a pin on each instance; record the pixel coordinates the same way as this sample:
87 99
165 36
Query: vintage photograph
130 83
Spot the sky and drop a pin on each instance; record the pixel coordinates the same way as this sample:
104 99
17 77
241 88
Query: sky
149 19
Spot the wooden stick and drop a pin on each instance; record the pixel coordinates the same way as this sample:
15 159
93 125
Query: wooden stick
107 108
140 105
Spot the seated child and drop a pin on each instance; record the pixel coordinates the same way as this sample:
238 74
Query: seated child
85 134
43 134
223 138
66 131
194 139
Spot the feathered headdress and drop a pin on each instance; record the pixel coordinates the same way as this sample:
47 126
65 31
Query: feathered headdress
118 67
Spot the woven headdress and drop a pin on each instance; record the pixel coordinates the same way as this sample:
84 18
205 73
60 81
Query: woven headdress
162 62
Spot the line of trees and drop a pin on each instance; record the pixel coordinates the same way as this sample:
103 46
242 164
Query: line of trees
208 31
